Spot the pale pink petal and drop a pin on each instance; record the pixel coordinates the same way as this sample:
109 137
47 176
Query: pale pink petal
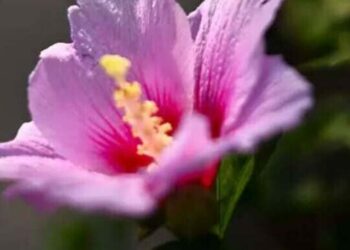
59 183
153 34
28 141
276 105
73 107
229 38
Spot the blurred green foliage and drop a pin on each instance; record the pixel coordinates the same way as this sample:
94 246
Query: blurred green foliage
315 33
70 231
311 163
191 212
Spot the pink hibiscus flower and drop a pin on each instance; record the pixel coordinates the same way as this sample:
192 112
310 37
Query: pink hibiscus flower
146 98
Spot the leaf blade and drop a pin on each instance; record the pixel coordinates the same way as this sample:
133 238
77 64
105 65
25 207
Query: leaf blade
234 175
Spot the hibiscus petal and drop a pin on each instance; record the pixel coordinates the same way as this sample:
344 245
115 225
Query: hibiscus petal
229 46
55 182
74 109
276 105
153 34
28 141
191 155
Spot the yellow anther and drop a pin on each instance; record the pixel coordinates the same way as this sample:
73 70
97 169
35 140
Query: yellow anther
119 97
132 91
115 66
135 132
167 140
141 150
132 118
138 114
150 107
165 128
156 120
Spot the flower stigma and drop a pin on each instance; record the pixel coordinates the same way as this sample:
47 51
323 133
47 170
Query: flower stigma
139 114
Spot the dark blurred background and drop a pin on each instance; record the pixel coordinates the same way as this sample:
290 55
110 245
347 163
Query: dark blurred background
26 27
298 199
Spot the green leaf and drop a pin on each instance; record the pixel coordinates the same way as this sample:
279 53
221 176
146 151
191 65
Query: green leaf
234 175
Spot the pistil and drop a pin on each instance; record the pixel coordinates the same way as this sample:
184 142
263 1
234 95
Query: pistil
139 114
